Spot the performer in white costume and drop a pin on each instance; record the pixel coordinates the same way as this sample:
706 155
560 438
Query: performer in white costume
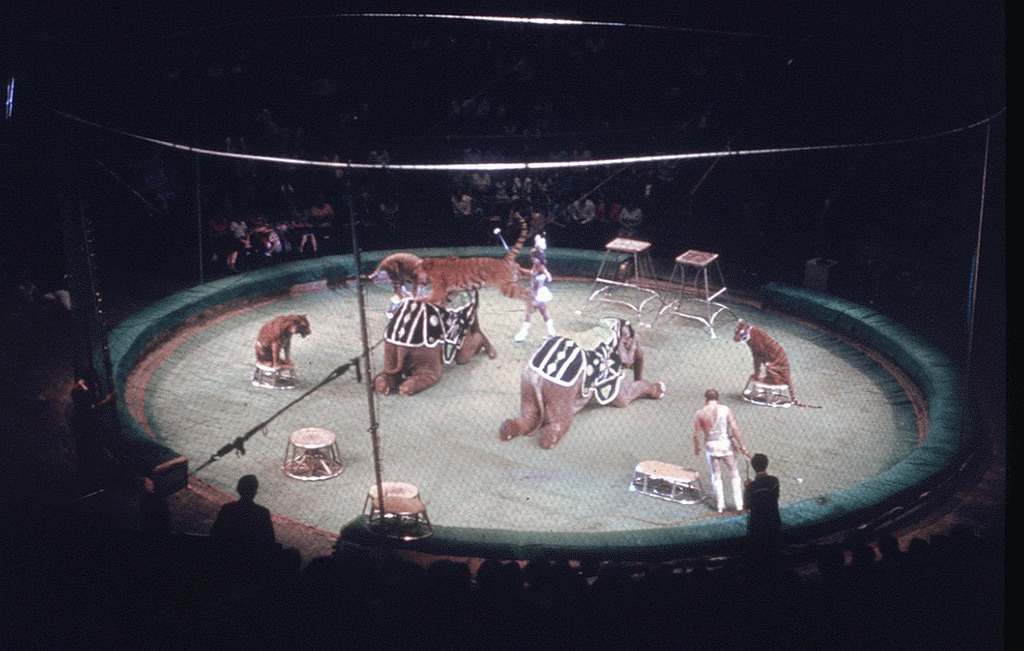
716 425
540 277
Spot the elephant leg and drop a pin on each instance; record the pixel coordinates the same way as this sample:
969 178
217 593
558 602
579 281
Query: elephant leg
529 408
485 344
630 391
421 378
558 418
385 381
384 384
472 345
423 366
560 405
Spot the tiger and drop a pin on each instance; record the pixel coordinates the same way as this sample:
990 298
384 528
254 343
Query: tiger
767 352
400 268
274 341
450 274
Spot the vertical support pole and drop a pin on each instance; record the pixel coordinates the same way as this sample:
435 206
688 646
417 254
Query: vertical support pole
977 255
199 225
368 371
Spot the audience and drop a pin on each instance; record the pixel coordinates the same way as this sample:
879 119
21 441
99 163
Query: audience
944 591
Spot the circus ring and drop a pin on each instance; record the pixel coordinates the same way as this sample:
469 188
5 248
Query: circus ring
892 423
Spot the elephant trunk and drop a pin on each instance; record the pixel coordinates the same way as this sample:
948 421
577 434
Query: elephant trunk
394 359
638 364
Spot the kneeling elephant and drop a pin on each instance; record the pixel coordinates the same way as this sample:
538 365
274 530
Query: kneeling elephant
562 378
420 338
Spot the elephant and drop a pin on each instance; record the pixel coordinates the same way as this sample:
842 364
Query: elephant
421 337
562 378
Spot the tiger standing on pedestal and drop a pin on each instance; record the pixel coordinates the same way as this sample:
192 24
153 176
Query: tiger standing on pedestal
768 353
274 341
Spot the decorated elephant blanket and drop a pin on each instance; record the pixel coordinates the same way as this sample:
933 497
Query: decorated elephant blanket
417 324
562 361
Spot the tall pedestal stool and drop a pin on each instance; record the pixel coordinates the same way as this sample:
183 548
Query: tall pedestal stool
626 276
698 289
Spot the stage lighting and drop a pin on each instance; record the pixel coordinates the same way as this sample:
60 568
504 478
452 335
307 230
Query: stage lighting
9 101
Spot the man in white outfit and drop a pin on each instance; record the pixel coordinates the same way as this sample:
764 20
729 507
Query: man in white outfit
716 424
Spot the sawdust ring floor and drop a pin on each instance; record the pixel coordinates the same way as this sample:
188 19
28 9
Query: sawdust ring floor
196 396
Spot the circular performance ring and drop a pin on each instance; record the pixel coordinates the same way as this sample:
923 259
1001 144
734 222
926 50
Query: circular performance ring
875 443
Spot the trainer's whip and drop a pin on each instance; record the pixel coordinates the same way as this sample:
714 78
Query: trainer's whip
497 231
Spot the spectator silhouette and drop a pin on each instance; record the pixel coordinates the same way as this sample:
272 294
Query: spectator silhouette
154 515
243 528
87 425
763 523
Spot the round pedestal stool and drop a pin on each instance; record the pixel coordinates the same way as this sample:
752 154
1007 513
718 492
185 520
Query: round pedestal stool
401 514
772 395
273 378
312 454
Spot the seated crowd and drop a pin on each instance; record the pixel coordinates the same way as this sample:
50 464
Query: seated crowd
249 241
159 587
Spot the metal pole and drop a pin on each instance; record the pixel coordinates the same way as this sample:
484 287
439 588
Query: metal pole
370 397
977 255
199 223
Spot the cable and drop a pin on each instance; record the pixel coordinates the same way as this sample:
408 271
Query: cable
534 165
238 444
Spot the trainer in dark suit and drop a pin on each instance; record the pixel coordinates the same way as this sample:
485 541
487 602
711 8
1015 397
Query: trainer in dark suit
761 497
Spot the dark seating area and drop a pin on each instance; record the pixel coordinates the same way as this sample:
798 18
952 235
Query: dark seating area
154 590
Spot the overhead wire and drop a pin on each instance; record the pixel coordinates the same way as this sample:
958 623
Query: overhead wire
531 165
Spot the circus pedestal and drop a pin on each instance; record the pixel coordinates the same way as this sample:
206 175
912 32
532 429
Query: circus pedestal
702 291
311 454
667 482
771 395
273 378
400 514
626 276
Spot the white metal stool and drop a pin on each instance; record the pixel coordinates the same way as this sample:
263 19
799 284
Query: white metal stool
667 482
273 378
401 514
772 395
312 454
701 290
627 266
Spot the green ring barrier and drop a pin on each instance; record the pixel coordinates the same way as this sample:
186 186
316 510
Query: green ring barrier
949 430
